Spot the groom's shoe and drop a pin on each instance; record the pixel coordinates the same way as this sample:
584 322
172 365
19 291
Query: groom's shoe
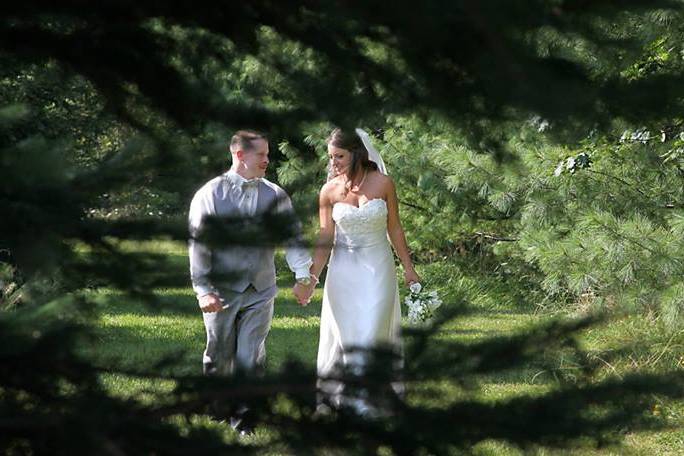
245 429
243 425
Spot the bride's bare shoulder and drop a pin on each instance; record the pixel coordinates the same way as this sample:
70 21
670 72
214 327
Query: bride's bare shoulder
383 179
330 189
332 185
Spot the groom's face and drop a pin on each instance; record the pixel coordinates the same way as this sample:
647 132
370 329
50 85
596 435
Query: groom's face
255 159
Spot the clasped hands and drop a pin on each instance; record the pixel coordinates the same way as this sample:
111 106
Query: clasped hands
303 292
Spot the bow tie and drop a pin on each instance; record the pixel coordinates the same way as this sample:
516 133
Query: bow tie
251 183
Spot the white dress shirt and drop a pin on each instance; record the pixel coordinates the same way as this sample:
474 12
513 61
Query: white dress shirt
245 192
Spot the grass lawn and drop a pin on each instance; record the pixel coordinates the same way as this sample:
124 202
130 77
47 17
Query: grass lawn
135 335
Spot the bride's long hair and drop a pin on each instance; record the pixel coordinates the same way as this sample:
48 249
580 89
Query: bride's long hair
350 141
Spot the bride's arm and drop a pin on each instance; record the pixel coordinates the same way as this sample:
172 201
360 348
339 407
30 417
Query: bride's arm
396 234
326 233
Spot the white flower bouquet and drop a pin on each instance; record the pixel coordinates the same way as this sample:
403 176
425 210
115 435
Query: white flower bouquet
421 304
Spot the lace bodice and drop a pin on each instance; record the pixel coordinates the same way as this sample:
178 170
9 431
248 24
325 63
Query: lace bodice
360 226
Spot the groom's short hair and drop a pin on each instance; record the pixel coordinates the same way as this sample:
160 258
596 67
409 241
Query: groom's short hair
244 139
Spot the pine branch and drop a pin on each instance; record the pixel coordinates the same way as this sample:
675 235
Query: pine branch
414 206
479 234
640 244
628 184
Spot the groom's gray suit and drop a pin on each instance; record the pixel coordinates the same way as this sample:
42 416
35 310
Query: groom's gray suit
242 276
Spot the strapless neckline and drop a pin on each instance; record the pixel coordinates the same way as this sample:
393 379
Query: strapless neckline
354 224
362 205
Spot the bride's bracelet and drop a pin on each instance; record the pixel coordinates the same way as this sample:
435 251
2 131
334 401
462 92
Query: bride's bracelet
315 279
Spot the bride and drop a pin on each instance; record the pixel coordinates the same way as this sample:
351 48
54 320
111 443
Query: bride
358 212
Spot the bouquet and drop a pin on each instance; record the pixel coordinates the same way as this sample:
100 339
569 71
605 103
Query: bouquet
421 305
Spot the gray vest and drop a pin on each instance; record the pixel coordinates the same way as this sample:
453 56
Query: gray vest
236 267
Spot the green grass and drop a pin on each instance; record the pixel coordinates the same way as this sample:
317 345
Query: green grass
169 334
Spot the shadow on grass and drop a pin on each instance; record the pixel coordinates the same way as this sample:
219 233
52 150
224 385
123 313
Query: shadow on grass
470 332
180 304
287 306
130 349
290 343
137 349
137 338
183 304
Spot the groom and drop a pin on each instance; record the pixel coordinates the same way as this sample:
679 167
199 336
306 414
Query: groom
236 284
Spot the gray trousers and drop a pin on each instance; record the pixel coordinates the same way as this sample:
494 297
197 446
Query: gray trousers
236 336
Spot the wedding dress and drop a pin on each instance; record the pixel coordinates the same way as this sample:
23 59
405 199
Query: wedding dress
360 299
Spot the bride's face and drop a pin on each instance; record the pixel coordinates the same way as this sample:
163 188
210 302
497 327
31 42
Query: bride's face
340 159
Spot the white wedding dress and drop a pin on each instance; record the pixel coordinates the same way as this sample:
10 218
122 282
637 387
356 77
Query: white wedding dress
361 298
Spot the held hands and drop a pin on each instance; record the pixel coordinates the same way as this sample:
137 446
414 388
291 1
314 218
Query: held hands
210 303
411 276
303 292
